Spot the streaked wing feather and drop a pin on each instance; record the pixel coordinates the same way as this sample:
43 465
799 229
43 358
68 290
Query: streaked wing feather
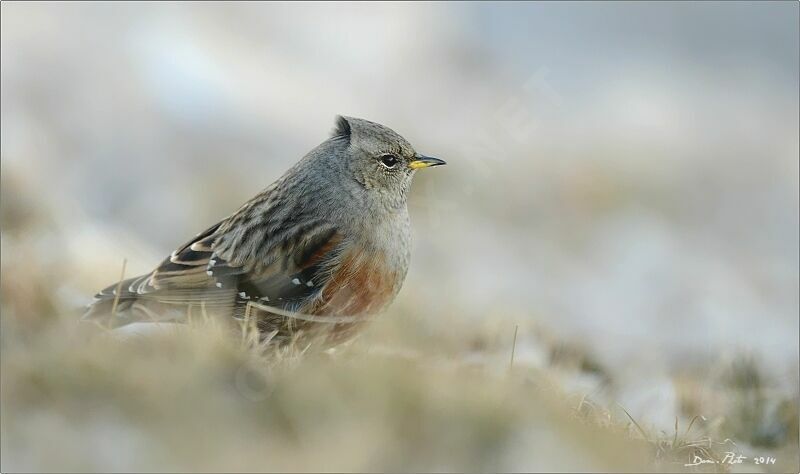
290 266
293 273
300 275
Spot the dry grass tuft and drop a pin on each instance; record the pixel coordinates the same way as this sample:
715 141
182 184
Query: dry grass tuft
213 396
202 397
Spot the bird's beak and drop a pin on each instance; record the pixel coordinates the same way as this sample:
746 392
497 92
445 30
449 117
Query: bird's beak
422 161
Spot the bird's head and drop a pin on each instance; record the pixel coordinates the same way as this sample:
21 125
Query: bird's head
378 158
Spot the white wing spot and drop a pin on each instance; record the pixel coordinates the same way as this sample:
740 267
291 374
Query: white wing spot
296 281
219 284
209 272
310 283
264 298
212 263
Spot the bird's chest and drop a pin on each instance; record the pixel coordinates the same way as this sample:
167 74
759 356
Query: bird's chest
365 282
370 273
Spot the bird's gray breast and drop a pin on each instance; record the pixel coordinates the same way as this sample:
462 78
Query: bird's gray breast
391 236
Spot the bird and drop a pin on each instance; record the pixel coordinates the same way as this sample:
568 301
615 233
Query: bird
321 250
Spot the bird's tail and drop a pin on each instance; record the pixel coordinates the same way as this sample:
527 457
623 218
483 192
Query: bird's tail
114 306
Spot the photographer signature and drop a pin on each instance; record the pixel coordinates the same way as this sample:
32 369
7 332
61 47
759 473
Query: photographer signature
731 458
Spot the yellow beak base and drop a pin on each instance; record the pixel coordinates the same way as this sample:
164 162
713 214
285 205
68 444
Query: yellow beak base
425 162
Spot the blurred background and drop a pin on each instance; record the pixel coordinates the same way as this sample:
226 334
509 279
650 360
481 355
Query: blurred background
622 178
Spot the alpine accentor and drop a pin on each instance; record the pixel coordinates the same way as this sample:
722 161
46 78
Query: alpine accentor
324 247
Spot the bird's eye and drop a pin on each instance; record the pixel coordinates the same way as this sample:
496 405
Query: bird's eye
388 160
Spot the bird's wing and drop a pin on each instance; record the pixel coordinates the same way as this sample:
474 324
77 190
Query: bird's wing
232 262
